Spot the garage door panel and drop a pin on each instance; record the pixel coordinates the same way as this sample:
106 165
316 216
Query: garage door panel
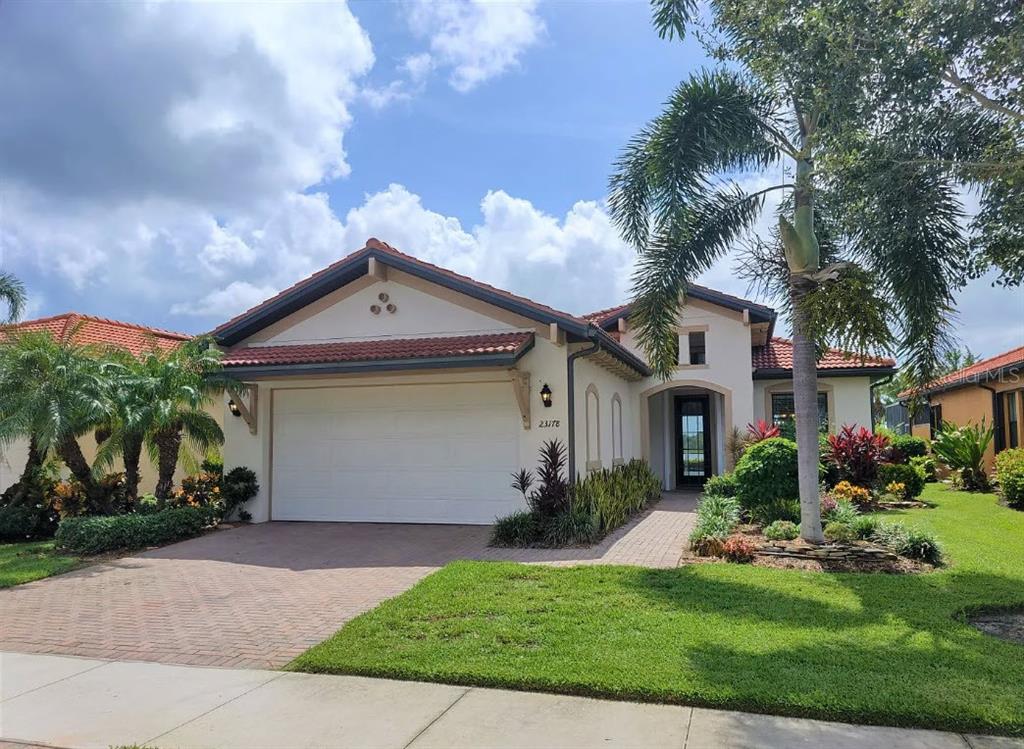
403 453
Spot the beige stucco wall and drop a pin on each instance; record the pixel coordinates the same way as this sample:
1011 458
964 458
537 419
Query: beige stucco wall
848 399
967 405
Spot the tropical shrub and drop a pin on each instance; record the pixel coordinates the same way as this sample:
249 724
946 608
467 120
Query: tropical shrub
575 526
739 548
717 517
237 487
962 449
827 504
552 493
844 513
778 509
904 447
839 532
722 486
712 506
26 507
781 530
95 535
518 529
856 453
761 431
766 474
926 464
1010 474
910 477
864 526
21 522
614 495
200 490
909 542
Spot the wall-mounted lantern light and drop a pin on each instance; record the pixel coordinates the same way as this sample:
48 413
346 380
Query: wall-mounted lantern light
545 395
234 409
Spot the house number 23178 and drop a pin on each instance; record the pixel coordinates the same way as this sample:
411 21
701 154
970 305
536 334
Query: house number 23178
549 423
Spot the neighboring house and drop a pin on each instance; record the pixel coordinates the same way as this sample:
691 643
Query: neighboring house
86 329
387 389
989 391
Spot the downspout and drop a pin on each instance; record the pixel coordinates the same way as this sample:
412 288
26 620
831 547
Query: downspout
571 389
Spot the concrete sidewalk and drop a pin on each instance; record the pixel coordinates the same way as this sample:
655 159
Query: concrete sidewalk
75 702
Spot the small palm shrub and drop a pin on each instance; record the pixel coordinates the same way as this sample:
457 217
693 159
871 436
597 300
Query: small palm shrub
766 474
904 447
962 449
926 465
1010 474
722 486
901 473
518 529
739 548
781 530
857 453
839 532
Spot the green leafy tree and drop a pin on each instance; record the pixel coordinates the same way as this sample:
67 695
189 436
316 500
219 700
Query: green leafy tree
870 245
53 392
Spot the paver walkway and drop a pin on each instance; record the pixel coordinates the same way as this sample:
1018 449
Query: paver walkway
257 596
72 702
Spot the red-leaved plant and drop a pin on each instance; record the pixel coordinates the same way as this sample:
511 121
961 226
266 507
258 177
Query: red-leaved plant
762 430
857 454
739 548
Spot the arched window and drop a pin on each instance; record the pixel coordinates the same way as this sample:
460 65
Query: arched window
593 412
617 458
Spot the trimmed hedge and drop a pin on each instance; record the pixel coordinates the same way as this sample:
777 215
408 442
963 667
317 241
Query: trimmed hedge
911 477
907 446
766 477
95 535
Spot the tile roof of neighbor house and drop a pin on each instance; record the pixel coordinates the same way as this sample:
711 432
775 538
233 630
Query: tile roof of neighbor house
978 371
88 329
380 350
777 354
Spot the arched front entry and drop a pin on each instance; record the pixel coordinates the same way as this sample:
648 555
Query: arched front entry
685 426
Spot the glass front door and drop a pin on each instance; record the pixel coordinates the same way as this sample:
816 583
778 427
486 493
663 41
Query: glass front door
693 440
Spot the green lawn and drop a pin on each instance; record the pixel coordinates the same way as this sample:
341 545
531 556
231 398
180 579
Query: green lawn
864 648
31 560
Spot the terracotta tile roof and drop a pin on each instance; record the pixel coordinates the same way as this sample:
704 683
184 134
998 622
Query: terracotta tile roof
778 354
378 350
88 329
375 244
974 372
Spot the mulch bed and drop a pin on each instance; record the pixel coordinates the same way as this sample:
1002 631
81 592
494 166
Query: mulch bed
1006 625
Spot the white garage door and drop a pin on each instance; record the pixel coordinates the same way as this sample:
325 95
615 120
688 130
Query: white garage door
403 453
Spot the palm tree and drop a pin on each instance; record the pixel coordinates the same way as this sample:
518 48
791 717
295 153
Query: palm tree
51 391
868 246
168 393
12 293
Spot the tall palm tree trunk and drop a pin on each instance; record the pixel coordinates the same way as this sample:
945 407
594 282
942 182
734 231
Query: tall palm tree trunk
805 400
131 453
71 453
168 444
34 461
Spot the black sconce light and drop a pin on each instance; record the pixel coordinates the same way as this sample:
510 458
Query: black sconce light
233 408
545 395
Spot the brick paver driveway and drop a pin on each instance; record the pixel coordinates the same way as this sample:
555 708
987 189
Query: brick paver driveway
257 596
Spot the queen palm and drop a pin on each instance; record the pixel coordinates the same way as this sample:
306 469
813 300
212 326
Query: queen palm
869 247
53 392
161 402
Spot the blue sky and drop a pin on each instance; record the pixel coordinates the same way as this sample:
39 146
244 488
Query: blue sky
173 163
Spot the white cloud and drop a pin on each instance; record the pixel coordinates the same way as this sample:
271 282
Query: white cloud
474 39
235 297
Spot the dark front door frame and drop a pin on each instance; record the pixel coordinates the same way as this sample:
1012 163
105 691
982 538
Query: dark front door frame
682 480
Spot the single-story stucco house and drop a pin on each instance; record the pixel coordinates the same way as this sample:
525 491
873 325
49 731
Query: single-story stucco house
990 391
387 389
